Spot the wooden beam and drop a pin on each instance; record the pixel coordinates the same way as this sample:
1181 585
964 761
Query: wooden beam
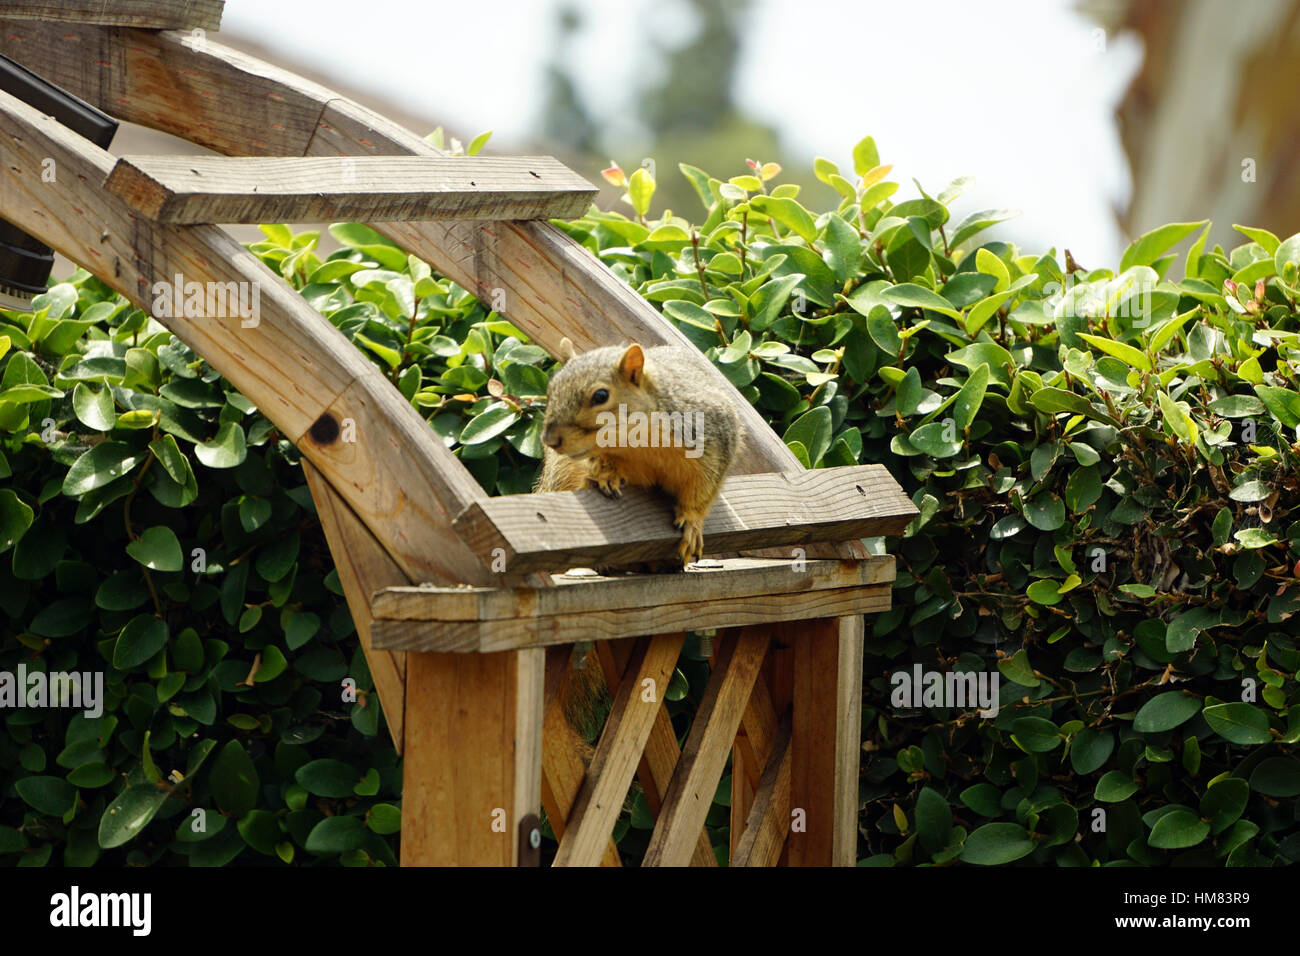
488 637
814 789
563 766
363 566
300 371
768 822
848 739
545 282
239 189
631 718
591 593
704 756
472 770
144 14
659 759
567 529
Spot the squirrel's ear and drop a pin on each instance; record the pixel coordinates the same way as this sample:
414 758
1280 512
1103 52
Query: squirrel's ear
632 365
567 351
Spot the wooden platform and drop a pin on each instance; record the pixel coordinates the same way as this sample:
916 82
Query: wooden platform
560 530
145 14
244 189
723 593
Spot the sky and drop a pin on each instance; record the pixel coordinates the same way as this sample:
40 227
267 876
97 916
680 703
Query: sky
1018 94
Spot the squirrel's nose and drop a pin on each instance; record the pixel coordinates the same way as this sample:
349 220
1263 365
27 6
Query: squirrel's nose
551 437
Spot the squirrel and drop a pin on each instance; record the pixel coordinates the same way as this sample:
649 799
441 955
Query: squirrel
627 416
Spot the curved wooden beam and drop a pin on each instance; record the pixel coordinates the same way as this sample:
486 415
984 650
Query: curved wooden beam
303 374
545 282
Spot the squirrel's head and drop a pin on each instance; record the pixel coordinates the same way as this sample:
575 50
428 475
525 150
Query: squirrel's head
588 385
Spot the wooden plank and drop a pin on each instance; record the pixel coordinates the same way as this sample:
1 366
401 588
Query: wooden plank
848 740
301 372
814 733
563 769
661 754
590 592
488 637
631 718
237 189
768 823
471 772
144 14
363 566
704 756
533 273
568 529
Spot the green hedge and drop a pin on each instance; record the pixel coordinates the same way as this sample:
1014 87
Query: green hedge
1103 462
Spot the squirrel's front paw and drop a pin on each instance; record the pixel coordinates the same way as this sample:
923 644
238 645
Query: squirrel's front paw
691 548
606 478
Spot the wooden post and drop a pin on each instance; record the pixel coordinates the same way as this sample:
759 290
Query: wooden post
472 772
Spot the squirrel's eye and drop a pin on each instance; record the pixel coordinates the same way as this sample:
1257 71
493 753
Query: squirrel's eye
600 397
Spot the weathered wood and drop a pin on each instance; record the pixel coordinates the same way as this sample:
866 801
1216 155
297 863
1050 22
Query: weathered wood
814 732
768 822
489 637
627 729
704 756
300 371
239 189
472 768
848 739
661 753
591 592
569 529
563 770
363 566
143 14
542 279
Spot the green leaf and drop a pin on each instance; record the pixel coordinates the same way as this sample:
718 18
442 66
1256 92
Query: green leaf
1125 353
1090 749
788 213
94 408
51 796
1282 403
1045 511
158 549
813 431
337 834
1017 670
1238 722
142 638
1224 802
491 422
914 296
15 518
105 462
227 450
977 222
1277 777
233 780
865 156
844 248
995 844
384 818
477 143
1115 787
1165 712
1150 246
128 814
970 397
328 778
1178 830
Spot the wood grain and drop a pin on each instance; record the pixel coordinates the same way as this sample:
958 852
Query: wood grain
812 740
488 637
661 753
768 822
144 14
704 756
569 529
472 767
256 189
589 592
627 730
363 566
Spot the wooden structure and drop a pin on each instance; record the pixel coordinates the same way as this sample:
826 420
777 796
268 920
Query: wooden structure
465 655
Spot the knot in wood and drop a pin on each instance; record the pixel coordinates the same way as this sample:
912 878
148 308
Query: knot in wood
325 430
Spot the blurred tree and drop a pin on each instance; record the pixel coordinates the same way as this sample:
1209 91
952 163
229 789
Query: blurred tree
565 119
1237 63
